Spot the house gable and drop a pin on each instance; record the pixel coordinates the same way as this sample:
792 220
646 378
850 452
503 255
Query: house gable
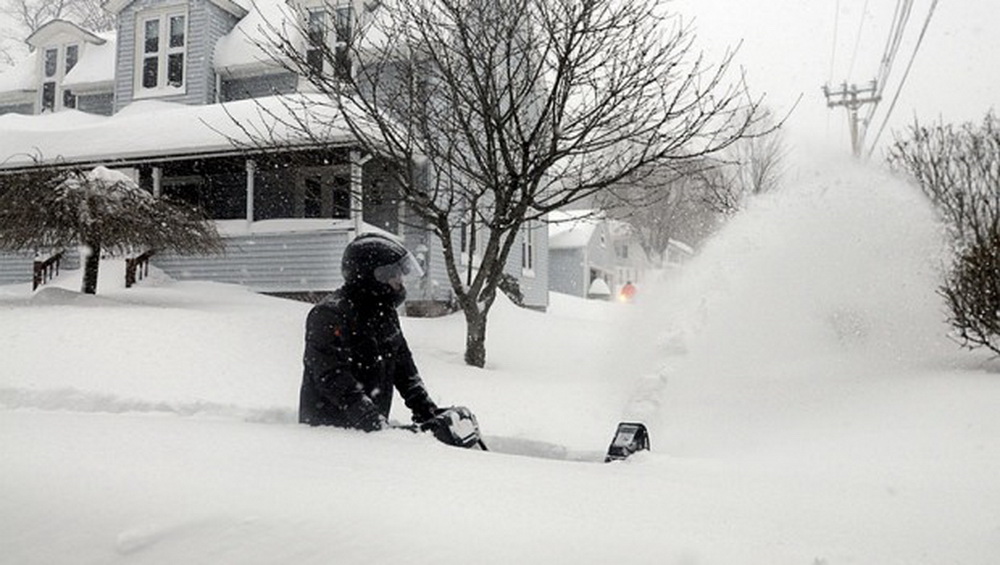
165 50
238 9
61 31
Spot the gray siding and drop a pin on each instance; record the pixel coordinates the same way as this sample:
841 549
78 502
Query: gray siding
278 262
17 268
26 108
534 285
102 103
258 86
206 24
567 271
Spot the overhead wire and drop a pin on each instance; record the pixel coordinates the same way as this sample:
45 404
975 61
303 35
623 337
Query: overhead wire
833 47
857 39
901 17
906 73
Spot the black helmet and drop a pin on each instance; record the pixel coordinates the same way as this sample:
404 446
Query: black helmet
372 260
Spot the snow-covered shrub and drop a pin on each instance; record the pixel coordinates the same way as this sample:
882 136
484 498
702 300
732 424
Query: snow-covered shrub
101 210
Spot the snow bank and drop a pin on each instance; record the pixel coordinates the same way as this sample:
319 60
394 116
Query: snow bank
153 425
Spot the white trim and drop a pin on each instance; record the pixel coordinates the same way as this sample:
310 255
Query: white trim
164 51
116 6
59 73
50 33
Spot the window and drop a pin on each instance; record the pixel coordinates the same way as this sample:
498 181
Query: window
72 56
316 32
528 248
57 61
325 193
342 56
318 42
70 59
313 199
162 43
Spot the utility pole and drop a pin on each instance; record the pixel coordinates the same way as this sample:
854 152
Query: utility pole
853 98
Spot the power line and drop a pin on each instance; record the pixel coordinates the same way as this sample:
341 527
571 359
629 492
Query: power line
833 47
857 39
906 73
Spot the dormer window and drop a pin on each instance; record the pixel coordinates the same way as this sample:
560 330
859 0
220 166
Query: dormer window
322 38
57 60
162 46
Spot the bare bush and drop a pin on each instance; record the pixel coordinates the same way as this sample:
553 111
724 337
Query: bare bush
958 169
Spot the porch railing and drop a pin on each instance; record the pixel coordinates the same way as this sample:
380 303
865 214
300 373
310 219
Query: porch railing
45 269
137 268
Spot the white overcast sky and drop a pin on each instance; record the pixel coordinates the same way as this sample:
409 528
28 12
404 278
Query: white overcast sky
793 47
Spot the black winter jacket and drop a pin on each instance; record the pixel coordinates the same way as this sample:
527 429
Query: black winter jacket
355 353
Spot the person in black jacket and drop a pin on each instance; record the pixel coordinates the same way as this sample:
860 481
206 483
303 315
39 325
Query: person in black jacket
355 352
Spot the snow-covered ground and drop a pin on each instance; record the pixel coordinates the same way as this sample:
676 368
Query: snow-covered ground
803 407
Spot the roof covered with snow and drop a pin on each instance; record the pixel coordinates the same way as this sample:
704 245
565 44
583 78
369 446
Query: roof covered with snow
22 77
96 67
150 128
236 7
571 229
245 46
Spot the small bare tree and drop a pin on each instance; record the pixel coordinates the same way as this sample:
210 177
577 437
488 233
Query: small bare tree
509 109
30 15
958 169
674 206
102 210
753 165
21 18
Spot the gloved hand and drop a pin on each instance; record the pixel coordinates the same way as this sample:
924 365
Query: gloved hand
363 415
426 413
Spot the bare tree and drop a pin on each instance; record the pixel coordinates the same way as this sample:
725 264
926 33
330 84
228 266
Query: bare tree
49 208
509 109
958 169
24 17
29 15
674 206
751 166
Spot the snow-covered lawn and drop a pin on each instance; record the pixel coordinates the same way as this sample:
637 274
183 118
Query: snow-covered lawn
803 408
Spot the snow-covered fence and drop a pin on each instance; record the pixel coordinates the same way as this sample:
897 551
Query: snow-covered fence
45 269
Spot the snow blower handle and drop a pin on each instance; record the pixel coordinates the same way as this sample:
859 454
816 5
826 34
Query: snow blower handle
455 425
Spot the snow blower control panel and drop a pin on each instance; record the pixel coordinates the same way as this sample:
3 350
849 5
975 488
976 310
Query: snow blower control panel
629 438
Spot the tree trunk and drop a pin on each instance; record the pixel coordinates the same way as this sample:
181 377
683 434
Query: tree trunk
475 337
90 267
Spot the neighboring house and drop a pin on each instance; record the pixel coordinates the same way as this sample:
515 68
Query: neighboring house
677 253
592 256
171 98
581 254
631 260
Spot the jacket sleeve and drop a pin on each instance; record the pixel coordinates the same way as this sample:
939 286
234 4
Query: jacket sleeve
328 363
411 386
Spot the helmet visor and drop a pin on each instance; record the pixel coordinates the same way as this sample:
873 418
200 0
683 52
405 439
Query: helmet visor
406 268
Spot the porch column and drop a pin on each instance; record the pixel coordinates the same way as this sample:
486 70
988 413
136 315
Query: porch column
357 198
157 182
251 170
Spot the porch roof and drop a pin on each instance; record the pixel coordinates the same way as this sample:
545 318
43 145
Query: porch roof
149 131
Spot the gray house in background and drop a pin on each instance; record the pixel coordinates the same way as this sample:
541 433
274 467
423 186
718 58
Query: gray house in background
591 256
160 99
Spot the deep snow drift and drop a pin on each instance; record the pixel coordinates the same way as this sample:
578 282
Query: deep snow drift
805 408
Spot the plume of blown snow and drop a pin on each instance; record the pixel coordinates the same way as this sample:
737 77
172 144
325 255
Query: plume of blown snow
844 262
